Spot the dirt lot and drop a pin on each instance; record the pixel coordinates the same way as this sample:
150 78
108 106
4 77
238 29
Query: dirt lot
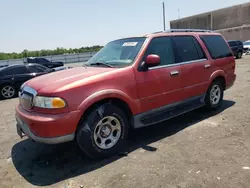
195 150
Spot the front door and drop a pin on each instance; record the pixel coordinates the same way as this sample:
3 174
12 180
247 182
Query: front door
160 85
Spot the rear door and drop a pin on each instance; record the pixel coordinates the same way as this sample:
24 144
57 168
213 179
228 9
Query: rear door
160 85
195 66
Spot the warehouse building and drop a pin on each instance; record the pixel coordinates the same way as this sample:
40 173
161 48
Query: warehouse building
232 22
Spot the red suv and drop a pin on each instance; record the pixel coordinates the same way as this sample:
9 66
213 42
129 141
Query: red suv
130 83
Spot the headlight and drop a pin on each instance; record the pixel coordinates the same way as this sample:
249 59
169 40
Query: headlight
49 102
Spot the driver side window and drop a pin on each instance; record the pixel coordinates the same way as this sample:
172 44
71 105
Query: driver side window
163 47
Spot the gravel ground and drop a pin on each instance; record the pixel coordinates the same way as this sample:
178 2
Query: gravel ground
195 150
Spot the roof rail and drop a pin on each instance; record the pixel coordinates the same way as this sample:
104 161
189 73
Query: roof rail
183 30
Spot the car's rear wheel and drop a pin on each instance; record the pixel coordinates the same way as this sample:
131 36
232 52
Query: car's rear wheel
239 55
103 132
214 95
7 92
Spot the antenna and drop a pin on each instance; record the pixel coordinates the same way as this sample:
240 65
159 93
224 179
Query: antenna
163 11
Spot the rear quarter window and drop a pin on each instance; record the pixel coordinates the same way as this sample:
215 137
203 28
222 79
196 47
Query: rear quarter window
216 46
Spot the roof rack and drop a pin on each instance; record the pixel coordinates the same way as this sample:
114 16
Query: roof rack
183 30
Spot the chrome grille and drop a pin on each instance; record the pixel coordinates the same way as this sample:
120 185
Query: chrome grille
26 97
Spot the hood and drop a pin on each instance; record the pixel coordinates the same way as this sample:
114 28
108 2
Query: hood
246 46
58 79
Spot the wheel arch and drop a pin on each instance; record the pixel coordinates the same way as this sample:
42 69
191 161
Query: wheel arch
118 98
218 76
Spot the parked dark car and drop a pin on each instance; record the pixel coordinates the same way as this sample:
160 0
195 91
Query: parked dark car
45 62
13 76
237 48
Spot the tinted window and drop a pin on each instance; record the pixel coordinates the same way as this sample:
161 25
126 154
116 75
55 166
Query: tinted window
239 43
188 49
36 68
200 51
216 46
232 43
16 70
163 47
246 43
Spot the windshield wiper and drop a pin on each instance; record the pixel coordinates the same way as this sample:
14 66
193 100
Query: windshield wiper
101 63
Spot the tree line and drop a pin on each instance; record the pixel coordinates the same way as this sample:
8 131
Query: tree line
57 51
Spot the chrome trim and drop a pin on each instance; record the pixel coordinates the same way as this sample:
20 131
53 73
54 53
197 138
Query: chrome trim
55 140
29 90
174 73
207 66
177 64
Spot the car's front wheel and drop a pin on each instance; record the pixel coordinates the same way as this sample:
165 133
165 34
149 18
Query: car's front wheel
214 95
103 132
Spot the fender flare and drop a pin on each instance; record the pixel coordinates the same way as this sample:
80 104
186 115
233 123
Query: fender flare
215 74
107 94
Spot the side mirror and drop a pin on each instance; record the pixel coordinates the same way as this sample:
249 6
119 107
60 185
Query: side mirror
152 60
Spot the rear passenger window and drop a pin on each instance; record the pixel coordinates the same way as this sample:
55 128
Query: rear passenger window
163 47
188 49
216 46
16 70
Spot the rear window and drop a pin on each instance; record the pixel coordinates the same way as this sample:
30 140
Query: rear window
216 46
36 68
232 43
239 43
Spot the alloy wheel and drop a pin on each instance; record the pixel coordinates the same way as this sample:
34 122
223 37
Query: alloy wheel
215 94
8 92
107 132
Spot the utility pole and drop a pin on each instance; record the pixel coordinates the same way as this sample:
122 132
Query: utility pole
163 8
178 13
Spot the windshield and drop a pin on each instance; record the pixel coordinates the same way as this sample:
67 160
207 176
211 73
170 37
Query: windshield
247 43
118 53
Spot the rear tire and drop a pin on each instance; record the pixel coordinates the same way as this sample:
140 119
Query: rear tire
239 55
103 132
7 92
214 95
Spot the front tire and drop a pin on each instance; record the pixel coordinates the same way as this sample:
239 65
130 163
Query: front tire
214 95
103 132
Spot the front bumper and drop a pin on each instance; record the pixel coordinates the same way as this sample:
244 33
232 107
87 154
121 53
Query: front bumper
47 128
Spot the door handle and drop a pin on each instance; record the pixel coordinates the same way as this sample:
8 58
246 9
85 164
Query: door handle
174 73
207 66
